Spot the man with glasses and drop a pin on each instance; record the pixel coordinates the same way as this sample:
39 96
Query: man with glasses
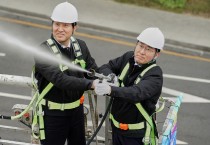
140 85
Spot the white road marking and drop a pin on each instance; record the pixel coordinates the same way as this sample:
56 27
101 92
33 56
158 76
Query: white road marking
98 137
180 142
14 128
7 95
15 96
2 54
165 90
187 98
89 123
15 142
186 78
177 141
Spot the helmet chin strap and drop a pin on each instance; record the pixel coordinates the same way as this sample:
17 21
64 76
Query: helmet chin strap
154 59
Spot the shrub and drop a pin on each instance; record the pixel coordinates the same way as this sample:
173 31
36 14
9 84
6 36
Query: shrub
173 3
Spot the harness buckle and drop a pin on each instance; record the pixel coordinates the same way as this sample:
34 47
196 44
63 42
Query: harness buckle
123 126
35 129
146 140
40 113
62 107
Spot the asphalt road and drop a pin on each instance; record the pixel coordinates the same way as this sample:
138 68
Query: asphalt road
193 116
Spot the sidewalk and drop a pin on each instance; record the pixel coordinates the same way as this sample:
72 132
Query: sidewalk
185 30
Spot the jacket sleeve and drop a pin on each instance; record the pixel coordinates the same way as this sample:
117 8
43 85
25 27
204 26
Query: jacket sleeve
149 87
52 73
90 61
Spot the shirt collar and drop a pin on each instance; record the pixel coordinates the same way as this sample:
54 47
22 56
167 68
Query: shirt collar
137 64
63 46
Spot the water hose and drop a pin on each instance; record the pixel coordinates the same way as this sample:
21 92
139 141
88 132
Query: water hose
22 113
102 121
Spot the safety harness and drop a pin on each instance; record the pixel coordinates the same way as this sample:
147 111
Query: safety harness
38 121
149 137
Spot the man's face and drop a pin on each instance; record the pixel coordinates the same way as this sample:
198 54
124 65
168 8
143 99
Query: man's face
144 53
62 32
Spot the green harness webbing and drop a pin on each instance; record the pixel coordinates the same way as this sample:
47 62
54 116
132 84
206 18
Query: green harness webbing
61 106
149 137
38 121
77 53
126 126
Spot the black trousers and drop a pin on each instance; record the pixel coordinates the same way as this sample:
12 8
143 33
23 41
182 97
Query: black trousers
118 139
58 129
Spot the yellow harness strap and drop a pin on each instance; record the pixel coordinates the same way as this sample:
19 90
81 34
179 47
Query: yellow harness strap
38 120
149 137
126 126
62 106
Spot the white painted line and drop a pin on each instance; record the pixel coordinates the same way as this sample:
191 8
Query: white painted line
177 141
89 123
86 105
187 98
186 78
15 142
14 128
165 90
7 95
2 54
15 96
180 142
98 137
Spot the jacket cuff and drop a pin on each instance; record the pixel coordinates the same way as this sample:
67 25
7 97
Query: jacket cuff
89 84
113 91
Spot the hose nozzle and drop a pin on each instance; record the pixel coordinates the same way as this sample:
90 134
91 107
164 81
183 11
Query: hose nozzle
93 73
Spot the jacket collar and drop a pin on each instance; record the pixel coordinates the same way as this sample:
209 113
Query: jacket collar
132 62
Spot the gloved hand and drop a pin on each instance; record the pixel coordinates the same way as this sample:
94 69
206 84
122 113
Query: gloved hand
115 80
94 83
102 89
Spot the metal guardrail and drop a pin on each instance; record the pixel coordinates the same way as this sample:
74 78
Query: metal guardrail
24 81
15 80
168 131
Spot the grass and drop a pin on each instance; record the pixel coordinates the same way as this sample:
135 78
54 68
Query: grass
192 7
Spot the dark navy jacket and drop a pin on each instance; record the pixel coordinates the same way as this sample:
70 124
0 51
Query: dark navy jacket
69 85
147 91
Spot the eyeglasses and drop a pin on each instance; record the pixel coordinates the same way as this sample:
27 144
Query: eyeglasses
147 49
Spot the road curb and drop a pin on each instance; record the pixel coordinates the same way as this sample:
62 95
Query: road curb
172 45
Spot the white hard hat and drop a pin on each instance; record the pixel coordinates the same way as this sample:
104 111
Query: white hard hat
153 37
65 12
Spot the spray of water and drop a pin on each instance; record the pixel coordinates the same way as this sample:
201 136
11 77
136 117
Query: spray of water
38 53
